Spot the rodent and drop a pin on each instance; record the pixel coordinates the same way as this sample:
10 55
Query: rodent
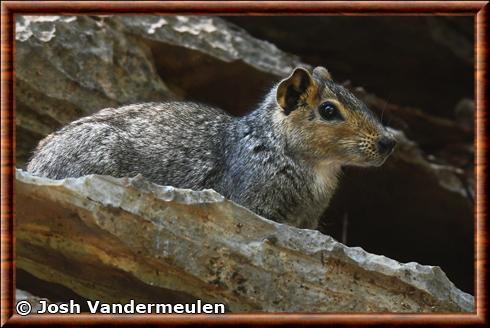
281 161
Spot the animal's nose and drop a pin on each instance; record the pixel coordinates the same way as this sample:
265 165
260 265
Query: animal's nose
386 145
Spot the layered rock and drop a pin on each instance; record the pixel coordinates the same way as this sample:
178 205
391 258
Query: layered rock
115 239
71 66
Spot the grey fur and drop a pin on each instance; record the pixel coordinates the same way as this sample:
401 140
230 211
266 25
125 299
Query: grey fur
191 145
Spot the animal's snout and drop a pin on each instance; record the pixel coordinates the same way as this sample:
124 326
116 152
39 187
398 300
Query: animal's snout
386 145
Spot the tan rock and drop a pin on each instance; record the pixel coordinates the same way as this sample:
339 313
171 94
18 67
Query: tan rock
105 238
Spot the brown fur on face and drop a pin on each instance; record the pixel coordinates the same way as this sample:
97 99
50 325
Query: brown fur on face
353 140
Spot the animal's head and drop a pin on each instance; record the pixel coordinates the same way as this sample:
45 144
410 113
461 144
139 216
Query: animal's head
324 121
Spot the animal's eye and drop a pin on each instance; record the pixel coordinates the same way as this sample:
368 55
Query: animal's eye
329 111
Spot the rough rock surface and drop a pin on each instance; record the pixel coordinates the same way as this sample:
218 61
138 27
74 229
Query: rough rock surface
71 66
212 36
200 245
22 295
208 59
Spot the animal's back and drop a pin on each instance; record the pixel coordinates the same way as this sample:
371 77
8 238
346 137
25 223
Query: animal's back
282 160
171 143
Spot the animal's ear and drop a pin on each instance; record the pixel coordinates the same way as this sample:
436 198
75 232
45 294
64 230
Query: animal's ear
321 73
291 89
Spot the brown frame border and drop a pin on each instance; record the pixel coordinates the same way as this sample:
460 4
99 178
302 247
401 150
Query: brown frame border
479 9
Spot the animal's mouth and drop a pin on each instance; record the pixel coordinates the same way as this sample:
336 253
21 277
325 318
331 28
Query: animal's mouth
375 161
381 161
383 157
372 154
384 148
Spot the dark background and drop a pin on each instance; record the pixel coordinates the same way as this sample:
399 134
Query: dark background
425 62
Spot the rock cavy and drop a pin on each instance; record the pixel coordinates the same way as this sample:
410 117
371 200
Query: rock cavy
281 161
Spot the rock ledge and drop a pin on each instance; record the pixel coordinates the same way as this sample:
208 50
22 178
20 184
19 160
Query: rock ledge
113 239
